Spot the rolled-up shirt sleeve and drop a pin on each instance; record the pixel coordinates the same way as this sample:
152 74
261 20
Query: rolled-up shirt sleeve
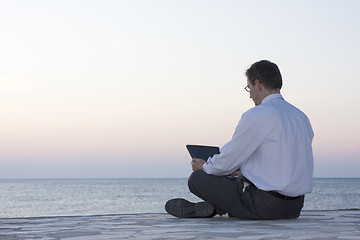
243 143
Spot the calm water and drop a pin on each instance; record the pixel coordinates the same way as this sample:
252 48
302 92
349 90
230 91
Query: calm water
70 197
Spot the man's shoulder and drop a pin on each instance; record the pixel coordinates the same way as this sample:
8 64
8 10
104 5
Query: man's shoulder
258 114
260 110
274 109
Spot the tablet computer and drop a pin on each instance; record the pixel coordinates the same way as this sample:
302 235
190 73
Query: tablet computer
202 152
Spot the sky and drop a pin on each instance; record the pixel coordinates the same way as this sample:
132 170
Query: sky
116 89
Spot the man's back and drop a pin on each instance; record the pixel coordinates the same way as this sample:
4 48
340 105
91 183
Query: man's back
283 159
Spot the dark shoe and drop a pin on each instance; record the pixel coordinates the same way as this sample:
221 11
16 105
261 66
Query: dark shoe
182 208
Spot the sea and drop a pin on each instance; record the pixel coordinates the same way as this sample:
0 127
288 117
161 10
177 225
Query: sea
83 197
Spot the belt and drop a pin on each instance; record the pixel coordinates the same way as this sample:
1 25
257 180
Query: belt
278 195
273 193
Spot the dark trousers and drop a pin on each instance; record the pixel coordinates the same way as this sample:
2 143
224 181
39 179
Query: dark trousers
227 196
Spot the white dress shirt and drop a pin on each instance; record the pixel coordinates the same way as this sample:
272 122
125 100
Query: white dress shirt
272 147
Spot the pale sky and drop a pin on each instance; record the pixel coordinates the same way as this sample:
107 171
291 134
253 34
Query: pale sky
109 89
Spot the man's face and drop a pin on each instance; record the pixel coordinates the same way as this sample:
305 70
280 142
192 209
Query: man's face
254 92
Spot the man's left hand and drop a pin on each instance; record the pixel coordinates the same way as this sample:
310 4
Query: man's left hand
197 164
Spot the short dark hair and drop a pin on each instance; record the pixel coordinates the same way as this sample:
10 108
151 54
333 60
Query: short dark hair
267 73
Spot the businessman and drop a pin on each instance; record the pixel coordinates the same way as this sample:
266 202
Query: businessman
270 152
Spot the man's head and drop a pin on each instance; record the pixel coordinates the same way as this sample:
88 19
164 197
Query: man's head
267 73
263 79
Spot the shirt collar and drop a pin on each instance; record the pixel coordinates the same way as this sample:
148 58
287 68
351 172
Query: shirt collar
272 97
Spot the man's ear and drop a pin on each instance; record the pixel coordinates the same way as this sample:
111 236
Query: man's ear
257 83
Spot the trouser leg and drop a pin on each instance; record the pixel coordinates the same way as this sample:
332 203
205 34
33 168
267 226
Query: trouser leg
227 196
222 192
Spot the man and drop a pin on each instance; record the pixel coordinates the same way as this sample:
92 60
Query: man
270 149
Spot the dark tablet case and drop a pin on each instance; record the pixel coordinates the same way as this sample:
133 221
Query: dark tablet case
202 152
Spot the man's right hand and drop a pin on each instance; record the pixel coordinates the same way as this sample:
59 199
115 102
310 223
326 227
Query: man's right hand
197 164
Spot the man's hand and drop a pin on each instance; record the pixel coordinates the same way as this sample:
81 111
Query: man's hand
197 164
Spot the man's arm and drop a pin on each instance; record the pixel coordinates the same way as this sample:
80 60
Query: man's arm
239 149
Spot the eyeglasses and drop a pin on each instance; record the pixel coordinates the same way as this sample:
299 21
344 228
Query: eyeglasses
247 88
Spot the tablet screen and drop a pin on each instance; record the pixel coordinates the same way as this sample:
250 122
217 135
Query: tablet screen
202 152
